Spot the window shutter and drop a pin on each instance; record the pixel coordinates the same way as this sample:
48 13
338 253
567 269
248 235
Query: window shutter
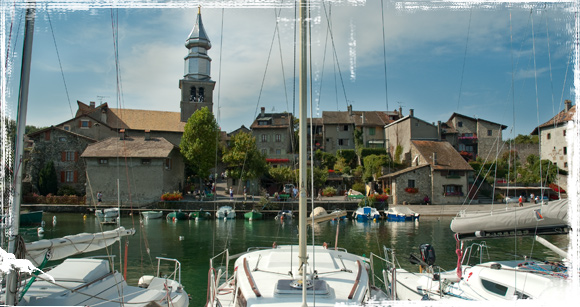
90 124
76 176
62 176
80 123
63 156
47 135
76 157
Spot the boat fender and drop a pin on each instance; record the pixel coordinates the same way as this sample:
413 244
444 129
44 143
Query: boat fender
274 245
427 253
325 245
145 281
495 266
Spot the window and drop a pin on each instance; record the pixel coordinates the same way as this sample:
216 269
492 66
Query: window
262 123
264 138
549 136
566 164
145 161
452 190
278 138
70 156
493 287
372 131
411 183
564 131
489 132
278 152
85 124
264 151
344 128
459 124
103 161
565 150
342 142
168 163
69 176
66 127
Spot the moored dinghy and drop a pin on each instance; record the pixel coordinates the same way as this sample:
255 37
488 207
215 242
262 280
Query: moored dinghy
253 215
225 212
364 214
177 215
400 213
149 215
199 215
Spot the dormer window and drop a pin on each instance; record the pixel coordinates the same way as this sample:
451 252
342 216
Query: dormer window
262 123
85 124
459 124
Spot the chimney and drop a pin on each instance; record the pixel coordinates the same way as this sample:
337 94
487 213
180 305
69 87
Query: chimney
434 158
568 104
400 112
122 134
92 104
439 130
263 111
147 135
411 111
349 108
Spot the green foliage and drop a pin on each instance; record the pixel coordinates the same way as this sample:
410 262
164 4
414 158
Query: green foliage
525 139
365 152
373 166
281 175
199 141
67 190
47 180
358 172
327 160
320 177
348 155
536 171
243 158
329 191
398 153
359 186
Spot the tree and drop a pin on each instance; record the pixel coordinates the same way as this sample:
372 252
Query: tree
282 175
327 160
373 166
243 158
199 141
47 180
320 177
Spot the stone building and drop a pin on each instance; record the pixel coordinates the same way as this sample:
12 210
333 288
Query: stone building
473 136
402 131
64 148
437 171
274 133
339 126
554 134
144 167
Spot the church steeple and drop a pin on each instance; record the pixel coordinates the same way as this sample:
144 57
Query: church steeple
196 85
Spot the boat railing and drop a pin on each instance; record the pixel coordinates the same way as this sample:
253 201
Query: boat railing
216 276
387 267
176 268
476 249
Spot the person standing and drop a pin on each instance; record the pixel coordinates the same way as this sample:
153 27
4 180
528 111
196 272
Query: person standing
99 197
231 194
245 193
520 201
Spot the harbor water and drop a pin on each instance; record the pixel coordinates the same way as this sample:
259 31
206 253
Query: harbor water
193 243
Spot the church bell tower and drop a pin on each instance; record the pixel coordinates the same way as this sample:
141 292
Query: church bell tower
196 85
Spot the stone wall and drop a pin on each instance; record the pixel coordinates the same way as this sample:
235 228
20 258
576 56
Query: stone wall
422 183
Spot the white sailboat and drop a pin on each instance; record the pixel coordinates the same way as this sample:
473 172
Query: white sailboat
76 281
283 275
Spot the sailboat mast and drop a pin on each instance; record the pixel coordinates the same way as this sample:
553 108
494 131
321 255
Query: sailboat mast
14 213
303 99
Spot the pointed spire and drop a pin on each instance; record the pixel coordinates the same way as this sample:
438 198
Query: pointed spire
198 37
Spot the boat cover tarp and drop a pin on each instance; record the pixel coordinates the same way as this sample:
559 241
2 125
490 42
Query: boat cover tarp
401 210
552 214
60 248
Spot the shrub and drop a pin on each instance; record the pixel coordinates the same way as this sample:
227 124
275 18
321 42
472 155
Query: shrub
359 186
379 197
175 196
329 191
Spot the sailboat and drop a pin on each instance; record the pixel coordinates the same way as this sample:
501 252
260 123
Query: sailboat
76 281
291 275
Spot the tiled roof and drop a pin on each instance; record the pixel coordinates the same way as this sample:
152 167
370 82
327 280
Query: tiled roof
450 121
406 170
145 120
129 147
371 118
447 157
561 117
277 120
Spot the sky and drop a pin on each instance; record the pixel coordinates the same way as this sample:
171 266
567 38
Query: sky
508 63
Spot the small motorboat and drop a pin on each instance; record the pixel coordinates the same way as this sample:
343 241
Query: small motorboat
177 215
199 215
400 213
284 215
364 214
149 215
253 215
225 212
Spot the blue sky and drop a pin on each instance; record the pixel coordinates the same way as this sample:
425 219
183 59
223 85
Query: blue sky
440 58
